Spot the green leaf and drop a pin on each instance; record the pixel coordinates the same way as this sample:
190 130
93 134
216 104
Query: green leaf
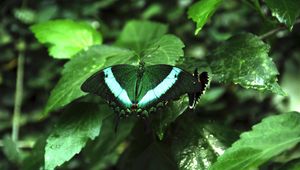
165 50
77 70
136 35
196 144
12 151
201 11
81 122
66 37
286 11
267 139
105 150
244 60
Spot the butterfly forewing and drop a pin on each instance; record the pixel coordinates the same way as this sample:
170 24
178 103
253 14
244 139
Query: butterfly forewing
165 83
112 84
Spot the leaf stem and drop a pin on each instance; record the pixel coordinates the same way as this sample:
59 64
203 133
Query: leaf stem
275 30
18 97
271 32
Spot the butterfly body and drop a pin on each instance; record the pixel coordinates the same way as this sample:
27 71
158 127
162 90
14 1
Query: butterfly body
141 89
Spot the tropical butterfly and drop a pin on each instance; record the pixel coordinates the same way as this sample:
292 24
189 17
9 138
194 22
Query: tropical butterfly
142 89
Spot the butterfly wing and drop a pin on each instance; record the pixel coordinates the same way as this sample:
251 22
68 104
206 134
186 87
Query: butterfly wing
163 83
114 84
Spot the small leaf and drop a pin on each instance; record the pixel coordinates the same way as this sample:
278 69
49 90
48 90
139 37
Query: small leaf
136 35
244 60
81 122
201 11
286 11
66 37
165 50
267 139
77 70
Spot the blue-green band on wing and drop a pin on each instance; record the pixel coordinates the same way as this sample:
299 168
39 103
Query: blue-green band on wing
115 87
161 88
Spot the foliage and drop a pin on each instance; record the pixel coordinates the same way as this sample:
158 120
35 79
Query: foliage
248 47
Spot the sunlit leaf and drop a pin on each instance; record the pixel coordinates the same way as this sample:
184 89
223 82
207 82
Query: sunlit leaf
244 60
136 35
267 139
165 50
66 37
201 11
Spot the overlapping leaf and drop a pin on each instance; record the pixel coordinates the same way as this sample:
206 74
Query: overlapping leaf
244 60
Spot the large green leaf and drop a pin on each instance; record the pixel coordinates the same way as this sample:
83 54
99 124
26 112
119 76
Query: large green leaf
286 11
165 50
66 37
201 11
77 70
81 122
267 139
137 35
244 60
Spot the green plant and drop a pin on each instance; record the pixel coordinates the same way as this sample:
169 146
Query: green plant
179 138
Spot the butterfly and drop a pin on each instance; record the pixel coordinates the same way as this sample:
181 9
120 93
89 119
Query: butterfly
142 89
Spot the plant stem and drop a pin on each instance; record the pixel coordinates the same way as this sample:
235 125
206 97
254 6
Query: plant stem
18 97
275 30
271 32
